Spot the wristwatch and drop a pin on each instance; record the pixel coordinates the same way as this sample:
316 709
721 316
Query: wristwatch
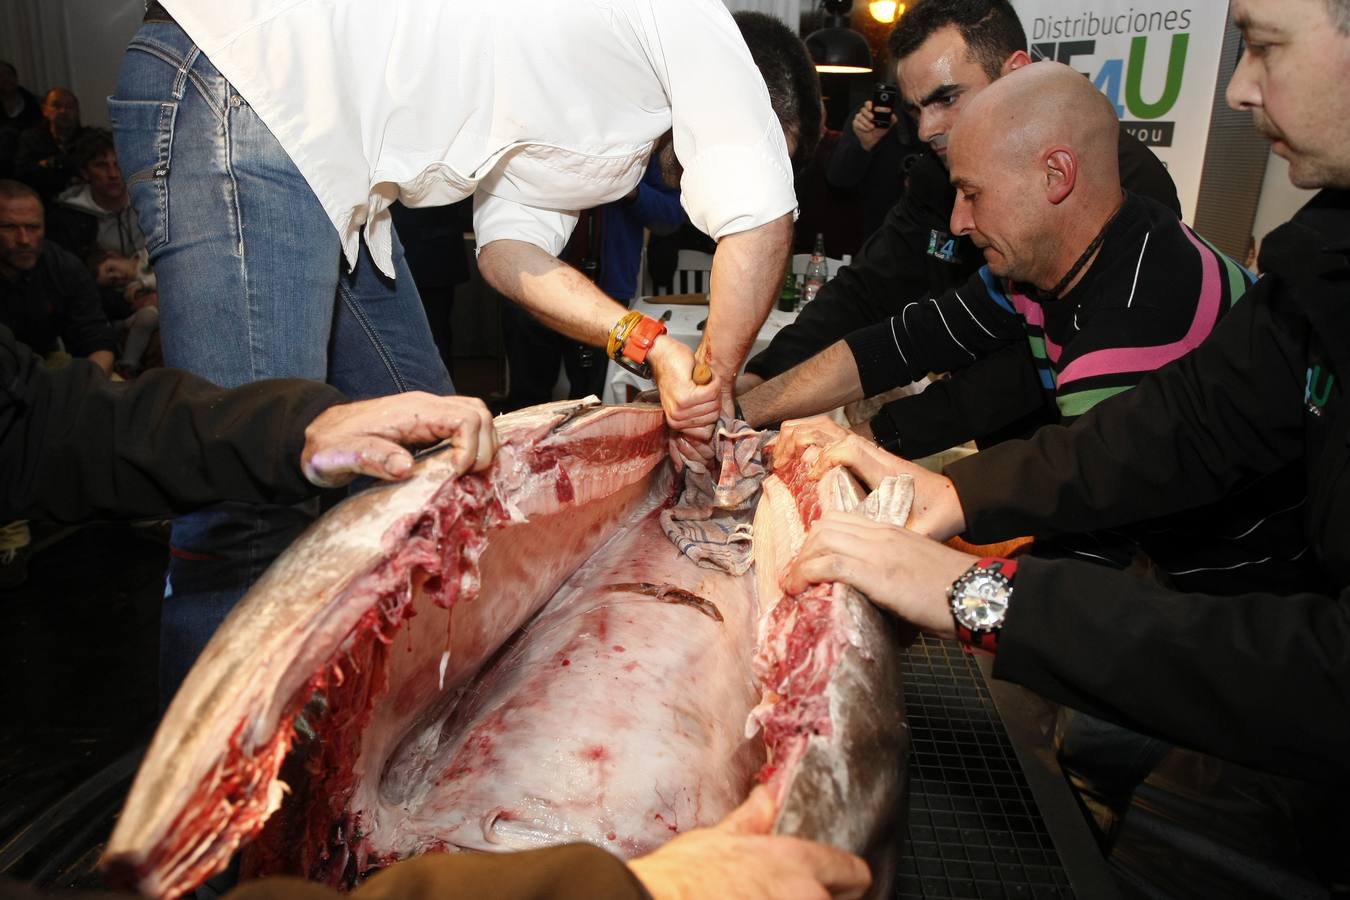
979 601
630 341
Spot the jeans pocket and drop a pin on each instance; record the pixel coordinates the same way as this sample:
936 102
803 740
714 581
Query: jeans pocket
143 131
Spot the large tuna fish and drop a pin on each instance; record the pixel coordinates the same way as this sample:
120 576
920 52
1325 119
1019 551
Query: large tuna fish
512 660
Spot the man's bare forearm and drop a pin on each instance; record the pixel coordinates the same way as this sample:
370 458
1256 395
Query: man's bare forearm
747 272
554 292
826 380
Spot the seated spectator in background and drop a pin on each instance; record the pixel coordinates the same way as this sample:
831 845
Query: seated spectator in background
606 246
41 157
824 208
96 214
96 221
872 160
47 297
19 111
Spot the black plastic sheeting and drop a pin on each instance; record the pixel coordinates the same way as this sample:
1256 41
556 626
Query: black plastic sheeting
78 647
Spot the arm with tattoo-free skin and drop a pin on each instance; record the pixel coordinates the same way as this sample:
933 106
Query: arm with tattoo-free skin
826 380
569 303
747 272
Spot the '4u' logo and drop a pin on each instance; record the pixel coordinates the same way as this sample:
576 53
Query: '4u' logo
1318 389
942 245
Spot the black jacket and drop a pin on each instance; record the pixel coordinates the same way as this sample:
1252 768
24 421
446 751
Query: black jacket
42 163
1262 679
57 298
30 115
74 445
877 175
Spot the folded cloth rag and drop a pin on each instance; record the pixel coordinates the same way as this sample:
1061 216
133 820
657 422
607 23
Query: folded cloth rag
711 522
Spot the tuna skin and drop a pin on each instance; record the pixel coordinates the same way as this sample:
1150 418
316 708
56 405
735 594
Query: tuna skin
618 715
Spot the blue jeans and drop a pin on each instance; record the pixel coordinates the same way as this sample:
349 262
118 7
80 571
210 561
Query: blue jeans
252 285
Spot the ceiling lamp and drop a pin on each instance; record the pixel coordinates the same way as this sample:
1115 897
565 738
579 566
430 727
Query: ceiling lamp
836 47
886 11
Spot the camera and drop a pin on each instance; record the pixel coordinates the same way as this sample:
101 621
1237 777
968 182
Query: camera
884 97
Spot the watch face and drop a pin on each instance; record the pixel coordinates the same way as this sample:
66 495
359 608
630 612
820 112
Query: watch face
982 602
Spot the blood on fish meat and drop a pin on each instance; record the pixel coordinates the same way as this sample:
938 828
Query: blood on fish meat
513 660
832 712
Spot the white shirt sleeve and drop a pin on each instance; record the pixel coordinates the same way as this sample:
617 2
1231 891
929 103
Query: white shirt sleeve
496 218
737 174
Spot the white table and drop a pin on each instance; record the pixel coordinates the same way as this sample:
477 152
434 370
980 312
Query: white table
683 326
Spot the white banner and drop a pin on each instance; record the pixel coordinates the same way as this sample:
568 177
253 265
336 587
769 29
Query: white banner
1157 61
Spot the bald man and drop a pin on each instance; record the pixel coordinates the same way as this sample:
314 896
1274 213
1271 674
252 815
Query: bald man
1089 286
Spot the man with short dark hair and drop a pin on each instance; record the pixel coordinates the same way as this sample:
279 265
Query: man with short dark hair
96 214
96 221
41 156
46 296
945 52
50 301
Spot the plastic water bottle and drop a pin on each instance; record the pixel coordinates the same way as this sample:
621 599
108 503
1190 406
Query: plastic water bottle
817 273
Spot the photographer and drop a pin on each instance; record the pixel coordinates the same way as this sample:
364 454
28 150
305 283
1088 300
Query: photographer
873 156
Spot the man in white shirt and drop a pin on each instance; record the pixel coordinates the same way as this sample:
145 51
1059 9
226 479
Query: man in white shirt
264 141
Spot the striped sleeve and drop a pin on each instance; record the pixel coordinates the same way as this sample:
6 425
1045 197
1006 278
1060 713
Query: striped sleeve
936 334
1147 339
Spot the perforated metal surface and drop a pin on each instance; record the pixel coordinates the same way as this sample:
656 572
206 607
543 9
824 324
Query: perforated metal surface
974 827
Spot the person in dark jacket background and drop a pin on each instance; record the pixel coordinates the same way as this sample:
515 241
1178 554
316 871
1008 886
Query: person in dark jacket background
46 295
19 111
41 153
874 161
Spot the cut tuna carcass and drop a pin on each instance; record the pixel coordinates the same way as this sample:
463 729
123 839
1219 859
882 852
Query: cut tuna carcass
829 662
511 660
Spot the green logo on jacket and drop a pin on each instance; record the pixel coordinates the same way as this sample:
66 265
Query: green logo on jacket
1318 389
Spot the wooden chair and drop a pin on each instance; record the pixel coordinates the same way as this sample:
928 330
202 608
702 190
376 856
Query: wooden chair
693 272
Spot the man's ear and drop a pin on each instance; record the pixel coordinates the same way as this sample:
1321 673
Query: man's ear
1017 60
1061 174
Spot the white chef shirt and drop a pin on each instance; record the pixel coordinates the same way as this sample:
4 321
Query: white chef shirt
542 108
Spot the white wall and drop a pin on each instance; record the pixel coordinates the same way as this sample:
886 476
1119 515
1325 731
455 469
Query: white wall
1279 199
74 43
